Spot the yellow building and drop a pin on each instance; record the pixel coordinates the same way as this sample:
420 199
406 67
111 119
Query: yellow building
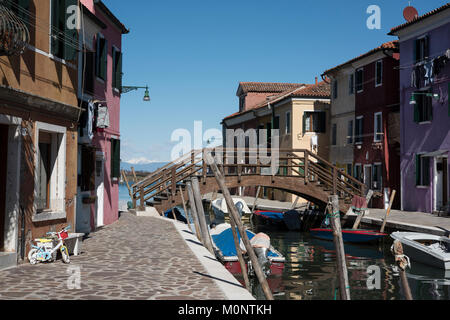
302 115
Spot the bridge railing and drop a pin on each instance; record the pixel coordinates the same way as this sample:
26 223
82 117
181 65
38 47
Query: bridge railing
164 183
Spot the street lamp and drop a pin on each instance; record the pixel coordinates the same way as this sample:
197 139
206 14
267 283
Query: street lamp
413 100
127 89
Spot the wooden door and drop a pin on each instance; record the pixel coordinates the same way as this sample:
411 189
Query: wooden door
3 162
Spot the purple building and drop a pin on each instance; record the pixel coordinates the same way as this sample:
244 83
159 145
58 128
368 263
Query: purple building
425 110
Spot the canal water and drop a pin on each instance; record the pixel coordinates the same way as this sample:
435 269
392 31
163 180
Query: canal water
310 270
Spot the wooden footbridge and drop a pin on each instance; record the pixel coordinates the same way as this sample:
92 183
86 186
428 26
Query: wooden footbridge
301 173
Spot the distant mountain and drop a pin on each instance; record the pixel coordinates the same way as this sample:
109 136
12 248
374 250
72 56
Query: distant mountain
146 167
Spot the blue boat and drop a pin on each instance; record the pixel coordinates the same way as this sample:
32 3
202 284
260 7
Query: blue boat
223 242
291 220
178 215
351 236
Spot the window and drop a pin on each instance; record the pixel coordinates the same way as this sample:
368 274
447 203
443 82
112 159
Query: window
358 172
421 49
241 103
117 69
115 158
50 169
64 40
423 109
359 80
335 89
43 171
378 127
288 122
88 70
351 84
377 176
314 122
359 130
422 171
101 60
378 73
334 135
349 169
276 123
350 132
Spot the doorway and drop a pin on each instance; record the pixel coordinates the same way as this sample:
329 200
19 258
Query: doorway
100 188
441 180
3 163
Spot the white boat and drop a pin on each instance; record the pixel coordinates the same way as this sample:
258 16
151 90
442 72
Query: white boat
220 207
425 248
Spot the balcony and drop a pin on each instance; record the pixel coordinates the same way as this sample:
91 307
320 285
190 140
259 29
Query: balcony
14 34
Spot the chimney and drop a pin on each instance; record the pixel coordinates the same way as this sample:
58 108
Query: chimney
317 81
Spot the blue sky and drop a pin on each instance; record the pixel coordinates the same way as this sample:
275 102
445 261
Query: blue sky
193 54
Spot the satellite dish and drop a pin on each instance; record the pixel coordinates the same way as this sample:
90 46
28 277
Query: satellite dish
410 13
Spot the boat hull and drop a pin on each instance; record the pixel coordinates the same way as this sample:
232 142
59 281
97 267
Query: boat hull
234 267
421 253
351 236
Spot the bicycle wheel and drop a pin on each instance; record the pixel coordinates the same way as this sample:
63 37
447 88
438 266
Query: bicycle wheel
65 254
32 256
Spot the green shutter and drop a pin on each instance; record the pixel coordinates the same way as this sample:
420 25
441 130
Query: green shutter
70 34
426 171
114 66
416 112
304 123
24 8
119 72
103 59
115 158
55 43
418 170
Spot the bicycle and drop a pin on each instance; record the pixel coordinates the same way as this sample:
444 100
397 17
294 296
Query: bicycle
44 251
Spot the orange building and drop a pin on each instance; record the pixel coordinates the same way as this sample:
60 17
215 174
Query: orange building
39 113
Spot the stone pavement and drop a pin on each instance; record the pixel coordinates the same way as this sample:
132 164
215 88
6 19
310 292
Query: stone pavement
134 258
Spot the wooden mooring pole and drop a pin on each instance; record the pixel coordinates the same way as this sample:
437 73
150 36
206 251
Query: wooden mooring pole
184 208
201 215
335 219
383 226
235 215
359 218
194 211
239 252
402 263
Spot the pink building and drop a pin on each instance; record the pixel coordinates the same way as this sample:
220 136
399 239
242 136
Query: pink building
100 85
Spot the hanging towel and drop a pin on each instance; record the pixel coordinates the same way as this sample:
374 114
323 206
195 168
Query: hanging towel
359 203
90 120
103 117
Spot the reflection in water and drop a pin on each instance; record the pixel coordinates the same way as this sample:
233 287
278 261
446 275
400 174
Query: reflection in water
310 271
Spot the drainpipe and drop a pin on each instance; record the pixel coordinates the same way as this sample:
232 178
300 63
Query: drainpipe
22 233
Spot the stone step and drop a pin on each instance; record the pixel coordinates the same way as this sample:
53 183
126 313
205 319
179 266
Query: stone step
8 260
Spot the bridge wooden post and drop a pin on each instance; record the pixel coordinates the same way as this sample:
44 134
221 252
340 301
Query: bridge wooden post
339 245
201 215
142 202
134 174
184 208
335 177
235 215
134 197
194 211
174 184
306 168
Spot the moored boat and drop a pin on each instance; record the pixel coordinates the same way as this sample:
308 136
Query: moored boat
220 208
352 236
425 248
291 220
222 238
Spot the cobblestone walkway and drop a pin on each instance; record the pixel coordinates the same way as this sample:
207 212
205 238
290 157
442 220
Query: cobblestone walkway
135 258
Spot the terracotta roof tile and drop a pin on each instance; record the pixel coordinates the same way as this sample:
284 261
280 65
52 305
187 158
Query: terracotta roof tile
393 45
268 87
419 18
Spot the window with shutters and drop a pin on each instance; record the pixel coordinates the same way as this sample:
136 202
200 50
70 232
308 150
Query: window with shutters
422 171
288 122
377 177
314 122
88 71
423 109
351 84
334 135
359 81
101 57
117 69
421 49
358 172
64 37
379 73
115 158
50 168
378 127
350 132
359 130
